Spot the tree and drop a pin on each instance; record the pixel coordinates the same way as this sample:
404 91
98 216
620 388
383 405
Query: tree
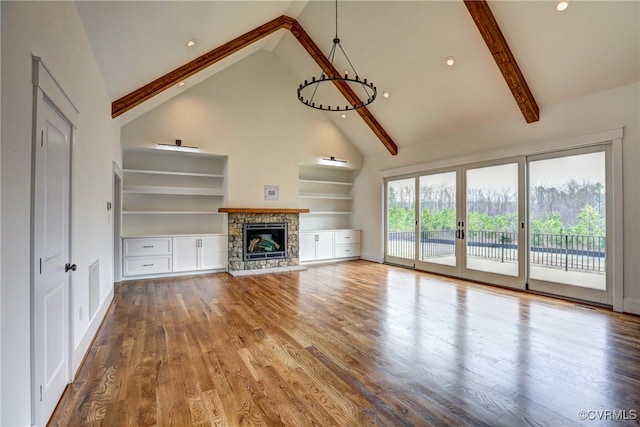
401 219
590 223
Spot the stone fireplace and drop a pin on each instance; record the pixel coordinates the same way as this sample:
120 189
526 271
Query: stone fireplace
272 221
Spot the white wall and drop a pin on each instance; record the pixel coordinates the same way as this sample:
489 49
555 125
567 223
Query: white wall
250 113
0 223
53 31
601 111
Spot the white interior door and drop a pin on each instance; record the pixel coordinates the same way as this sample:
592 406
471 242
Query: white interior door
51 243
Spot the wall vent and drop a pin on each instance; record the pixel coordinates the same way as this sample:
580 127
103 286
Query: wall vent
94 288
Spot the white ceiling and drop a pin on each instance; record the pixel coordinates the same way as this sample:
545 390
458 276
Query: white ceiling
400 46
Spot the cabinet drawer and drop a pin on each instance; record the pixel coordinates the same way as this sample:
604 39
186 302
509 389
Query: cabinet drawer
147 247
347 237
347 251
147 265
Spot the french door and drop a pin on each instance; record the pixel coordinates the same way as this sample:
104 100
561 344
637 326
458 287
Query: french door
400 201
535 222
465 222
570 225
494 215
440 224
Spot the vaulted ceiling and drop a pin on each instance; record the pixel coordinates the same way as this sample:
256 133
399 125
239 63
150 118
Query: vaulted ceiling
400 46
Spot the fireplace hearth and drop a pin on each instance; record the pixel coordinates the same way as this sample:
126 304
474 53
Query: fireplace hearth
264 241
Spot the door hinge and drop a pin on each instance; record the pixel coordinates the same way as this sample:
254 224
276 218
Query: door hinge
40 392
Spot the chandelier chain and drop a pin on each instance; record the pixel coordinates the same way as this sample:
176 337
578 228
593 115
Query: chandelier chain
325 77
336 19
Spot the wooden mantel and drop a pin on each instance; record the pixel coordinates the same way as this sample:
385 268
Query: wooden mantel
264 210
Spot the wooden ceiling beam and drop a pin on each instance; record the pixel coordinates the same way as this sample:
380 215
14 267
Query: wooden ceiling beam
493 37
172 78
352 98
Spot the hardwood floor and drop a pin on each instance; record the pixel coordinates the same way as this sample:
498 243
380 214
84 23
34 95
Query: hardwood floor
352 344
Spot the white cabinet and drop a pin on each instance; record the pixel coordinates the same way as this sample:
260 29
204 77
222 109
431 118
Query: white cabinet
147 256
147 265
347 244
323 245
213 251
307 246
185 255
316 245
166 255
147 247
191 253
170 193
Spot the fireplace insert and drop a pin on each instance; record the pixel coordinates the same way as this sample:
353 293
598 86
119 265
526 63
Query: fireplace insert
264 241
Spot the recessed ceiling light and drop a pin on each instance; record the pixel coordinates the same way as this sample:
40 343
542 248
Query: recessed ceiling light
385 94
562 5
450 61
181 84
191 43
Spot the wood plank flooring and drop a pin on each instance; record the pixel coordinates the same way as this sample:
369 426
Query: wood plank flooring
352 344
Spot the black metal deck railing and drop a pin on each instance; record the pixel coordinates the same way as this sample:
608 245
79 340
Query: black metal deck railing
570 252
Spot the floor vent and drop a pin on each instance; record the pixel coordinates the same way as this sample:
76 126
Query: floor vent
94 288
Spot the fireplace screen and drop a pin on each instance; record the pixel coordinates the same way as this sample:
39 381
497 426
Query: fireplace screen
264 241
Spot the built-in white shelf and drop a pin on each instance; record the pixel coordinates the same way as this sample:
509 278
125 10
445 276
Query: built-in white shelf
315 181
329 213
171 213
160 172
326 196
171 193
327 192
187 191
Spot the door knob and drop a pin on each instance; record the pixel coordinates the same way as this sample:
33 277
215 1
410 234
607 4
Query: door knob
71 267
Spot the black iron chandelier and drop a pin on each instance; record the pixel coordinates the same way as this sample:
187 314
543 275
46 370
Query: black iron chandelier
360 87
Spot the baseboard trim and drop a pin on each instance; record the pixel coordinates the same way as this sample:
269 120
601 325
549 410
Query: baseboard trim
172 274
81 350
630 305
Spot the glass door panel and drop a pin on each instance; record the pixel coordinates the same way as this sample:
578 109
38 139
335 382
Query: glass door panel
567 224
492 204
401 221
437 247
